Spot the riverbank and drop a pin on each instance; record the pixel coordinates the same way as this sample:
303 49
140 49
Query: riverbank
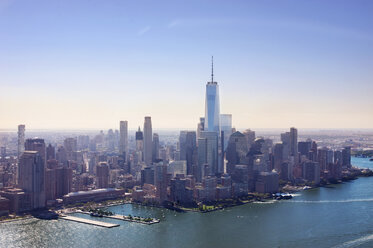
15 218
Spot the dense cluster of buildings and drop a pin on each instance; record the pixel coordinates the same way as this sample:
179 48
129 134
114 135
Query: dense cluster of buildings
213 163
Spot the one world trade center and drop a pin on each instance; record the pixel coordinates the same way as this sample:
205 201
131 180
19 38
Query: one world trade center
212 109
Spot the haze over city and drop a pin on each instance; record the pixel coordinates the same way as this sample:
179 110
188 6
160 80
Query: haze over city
88 64
186 123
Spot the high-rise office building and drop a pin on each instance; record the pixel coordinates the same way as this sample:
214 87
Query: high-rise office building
278 156
304 147
123 139
236 150
250 137
177 167
50 184
182 144
191 151
31 177
38 145
346 157
61 155
148 140
285 138
313 152
212 105
110 140
226 127
212 151
83 142
267 182
338 158
311 171
147 176
155 149
102 172
71 146
293 142
64 178
200 126
188 149
323 156
160 180
202 159
21 139
51 153
139 145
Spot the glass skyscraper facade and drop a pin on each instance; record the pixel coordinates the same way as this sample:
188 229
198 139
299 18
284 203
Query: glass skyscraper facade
226 127
212 111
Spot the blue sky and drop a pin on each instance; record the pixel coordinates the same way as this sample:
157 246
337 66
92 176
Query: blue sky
89 64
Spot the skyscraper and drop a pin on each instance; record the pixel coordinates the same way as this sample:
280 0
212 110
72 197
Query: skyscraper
21 139
102 171
31 177
148 140
250 137
64 178
140 145
285 138
182 144
200 126
202 158
160 180
293 142
226 127
236 150
71 146
155 151
191 151
51 153
38 145
212 151
212 105
346 157
278 154
123 139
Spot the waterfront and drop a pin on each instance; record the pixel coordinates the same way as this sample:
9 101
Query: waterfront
334 216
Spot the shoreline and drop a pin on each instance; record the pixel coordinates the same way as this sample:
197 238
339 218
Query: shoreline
356 174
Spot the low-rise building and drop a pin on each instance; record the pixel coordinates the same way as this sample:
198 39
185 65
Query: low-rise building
19 200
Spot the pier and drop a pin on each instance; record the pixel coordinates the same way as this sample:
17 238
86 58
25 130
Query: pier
87 221
126 218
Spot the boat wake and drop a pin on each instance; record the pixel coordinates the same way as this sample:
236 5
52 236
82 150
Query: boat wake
355 242
336 201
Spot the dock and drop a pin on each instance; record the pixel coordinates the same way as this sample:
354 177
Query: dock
125 218
87 221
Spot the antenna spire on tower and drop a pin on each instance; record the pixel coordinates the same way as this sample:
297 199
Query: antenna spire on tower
212 69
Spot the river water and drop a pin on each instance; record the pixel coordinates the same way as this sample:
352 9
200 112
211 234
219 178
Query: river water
335 216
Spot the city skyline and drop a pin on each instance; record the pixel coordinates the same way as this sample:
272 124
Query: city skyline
201 123
98 63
